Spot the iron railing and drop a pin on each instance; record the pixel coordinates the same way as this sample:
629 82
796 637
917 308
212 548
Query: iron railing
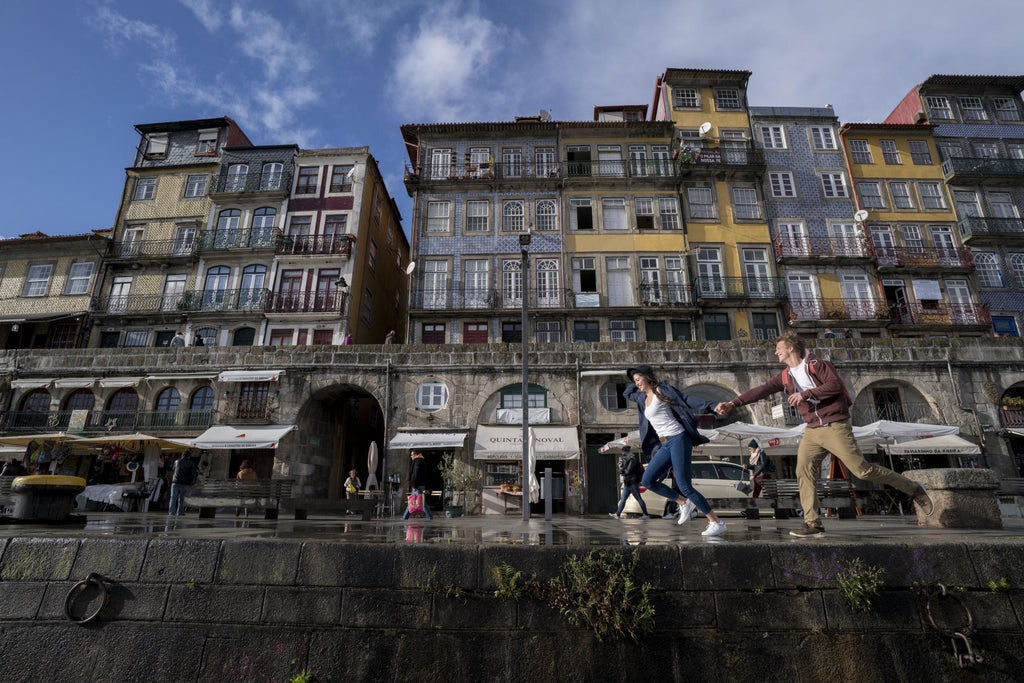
739 287
665 295
256 408
314 244
613 168
1011 417
691 158
132 249
459 297
954 167
106 421
923 257
837 309
225 300
940 314
980 226
237 238
808 246
256 181
305 302
896 412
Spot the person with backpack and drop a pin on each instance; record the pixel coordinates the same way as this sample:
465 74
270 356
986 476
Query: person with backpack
630 471
815 389
760 467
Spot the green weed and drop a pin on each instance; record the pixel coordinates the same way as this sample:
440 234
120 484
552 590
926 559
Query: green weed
859 584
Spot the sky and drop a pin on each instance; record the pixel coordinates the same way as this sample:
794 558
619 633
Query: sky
77 75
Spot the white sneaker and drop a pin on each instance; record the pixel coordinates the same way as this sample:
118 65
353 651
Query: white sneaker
612 514
686 512
714 529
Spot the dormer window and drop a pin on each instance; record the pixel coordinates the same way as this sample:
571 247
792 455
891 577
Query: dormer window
207 144
156 145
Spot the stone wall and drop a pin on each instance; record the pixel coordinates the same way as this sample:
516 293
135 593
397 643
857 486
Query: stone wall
206 611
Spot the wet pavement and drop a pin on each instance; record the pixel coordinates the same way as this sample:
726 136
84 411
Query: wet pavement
592 531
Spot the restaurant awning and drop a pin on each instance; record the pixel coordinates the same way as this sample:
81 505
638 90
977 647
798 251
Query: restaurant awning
255 436
428 440
249 375
506 443
184 375
119 382
75 382
31 383
137 441
948 444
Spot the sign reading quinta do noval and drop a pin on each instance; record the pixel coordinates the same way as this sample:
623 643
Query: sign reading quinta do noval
506 443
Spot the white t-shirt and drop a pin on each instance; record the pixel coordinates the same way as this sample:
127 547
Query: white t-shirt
802 378
662 419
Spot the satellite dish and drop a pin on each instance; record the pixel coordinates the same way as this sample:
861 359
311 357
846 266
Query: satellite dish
705 128
860 216
411 267
545 115
351 173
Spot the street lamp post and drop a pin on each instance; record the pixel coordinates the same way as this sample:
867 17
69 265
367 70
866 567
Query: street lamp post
524 244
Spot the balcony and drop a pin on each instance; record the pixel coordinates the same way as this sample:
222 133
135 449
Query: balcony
992 227
923 257
976 170
241 238
314 245
225 300
667 296
895 412
812 247
813 310
720 288
108 421
613 168
248 183
136 249
1011 417
305 302
252 408
719 160
457 298
940 314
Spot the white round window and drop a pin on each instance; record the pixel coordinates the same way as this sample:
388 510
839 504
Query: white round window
431 397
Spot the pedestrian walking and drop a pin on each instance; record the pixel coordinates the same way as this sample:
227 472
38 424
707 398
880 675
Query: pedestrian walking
760 467
631 472
183 476
418 482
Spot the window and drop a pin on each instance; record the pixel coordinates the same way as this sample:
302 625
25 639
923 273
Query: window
950 149
701 201
156 145
201 402
371 257
644 209
650 281
610 395
440 163
986 150
244 336
613 213
136 338
512 216
1014 150
716 327
263 219
727 98
431 396
860 152
765 326
252 400
549 289
174 291
167 401
437 216
195 186
511 332
833 185
609 161
476 215
685 98
78 277
773 137
586 331
654 330
545 165
341 178
967 204
669 213
367 307
1002 205
433 333
972 109
919 152
987 268
584 276
81 399
207 143
757 281
306 181
477 283
281 337
890 153
581 214
822 137
782 184
870 195
512 396
938 108
1006 109
549 331
546 218
900 193
682 330
145 188
709 272
236 177
271 176
207 334
1017 267
511 163
932 195
512 282
744 203
37 280
912 237
622 330
435 284
474 333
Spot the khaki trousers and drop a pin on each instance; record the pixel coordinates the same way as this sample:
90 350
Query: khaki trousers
837 438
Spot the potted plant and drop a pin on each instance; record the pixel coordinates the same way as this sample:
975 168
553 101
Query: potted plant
459 478
1013 402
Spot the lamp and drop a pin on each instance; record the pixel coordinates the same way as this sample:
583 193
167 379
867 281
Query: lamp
341 282
524 244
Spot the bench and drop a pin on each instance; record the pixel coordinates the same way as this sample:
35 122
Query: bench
239 493
838 494
1010 497
301 507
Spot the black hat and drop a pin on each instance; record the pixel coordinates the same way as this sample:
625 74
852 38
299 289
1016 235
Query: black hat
752 444
626 448
643 370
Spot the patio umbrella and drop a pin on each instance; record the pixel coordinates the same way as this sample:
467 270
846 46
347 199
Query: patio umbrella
26 439
137 441
371 466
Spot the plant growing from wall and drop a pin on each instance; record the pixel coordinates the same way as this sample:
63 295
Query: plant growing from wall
1001 585
304 676
512 584
859 584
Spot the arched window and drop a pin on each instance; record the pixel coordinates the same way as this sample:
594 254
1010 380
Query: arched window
80 399
121 409
1017 265
215 292
201 407
987 268
167 402
512 216
207 334
243 336
546 215
36 401
262 233
271 178
236 178
227 220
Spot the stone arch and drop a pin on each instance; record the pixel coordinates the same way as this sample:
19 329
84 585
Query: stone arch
893 399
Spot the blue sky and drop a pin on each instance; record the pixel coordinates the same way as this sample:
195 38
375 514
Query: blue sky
77 75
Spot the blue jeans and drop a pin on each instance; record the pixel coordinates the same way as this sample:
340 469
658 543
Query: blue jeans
426 508
677 452
633 489
177 505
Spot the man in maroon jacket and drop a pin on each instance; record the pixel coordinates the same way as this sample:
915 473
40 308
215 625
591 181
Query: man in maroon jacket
815 389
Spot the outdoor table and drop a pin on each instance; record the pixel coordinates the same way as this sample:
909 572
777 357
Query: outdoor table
512 495
108 494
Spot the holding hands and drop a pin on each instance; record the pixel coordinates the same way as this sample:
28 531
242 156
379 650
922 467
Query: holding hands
723 408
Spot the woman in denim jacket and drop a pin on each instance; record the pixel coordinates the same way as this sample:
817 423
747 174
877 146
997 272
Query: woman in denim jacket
668 433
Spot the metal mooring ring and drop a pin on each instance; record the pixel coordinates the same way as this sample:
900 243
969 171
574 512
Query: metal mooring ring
96 580
946 594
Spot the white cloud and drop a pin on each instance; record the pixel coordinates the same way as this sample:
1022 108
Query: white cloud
356 23
118 29
205 12
266 40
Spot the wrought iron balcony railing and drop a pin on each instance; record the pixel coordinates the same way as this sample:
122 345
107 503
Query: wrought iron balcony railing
739 287
225 300
1011 417
305 302
695 158
238 238
312 245
980 226
812 246
964 167
614 168
107 421
230 183
257 408
940 314
836 309
896 412
666 295
133 249
458 297
923 257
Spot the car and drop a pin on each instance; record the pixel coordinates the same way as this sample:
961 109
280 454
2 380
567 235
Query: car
713 478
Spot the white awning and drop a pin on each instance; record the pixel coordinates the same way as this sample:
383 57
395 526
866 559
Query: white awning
249 375
506 443
184 375
255 436
31 383
74 382
119 382
948 444
428 440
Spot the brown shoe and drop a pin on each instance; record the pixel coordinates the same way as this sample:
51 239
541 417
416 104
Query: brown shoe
924 501
808 531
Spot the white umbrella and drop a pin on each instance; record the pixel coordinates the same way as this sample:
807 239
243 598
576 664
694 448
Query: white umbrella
633 440
371 465
38 438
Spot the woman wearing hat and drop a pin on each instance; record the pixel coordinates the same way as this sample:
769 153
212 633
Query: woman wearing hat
668 433
759 467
